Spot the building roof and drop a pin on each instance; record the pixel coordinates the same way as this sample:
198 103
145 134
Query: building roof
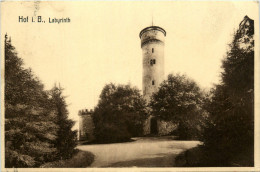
152 28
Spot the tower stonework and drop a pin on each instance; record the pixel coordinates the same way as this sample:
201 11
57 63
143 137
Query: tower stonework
86 125
152 44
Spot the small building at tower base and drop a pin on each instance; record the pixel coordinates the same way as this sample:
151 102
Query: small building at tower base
86 125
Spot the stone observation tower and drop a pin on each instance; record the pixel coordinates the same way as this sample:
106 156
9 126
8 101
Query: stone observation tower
152 44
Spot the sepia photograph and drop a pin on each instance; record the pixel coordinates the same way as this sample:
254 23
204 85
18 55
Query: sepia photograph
130 86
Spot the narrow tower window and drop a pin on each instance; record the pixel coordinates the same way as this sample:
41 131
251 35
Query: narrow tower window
152 62
152 50
153 82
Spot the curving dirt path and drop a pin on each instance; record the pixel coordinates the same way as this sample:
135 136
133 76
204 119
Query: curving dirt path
144 152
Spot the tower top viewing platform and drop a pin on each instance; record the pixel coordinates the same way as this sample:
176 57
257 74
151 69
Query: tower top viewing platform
85 112
152 28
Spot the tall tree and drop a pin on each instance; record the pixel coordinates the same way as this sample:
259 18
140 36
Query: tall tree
230 137
66 139
120 113
180 100
29 130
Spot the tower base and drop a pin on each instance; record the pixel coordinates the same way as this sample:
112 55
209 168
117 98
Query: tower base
154 126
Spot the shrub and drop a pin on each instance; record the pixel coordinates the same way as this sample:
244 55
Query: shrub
119 114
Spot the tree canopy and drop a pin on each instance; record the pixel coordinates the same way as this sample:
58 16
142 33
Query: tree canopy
119 114
231 134
180 100
31 127
66 138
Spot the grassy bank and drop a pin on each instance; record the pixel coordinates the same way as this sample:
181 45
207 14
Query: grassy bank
202 157
191 158
80 160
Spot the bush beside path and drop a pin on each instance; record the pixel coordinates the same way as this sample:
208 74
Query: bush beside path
80 160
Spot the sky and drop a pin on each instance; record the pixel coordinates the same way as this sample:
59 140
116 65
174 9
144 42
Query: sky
101 44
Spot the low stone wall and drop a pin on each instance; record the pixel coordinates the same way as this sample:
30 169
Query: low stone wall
165 128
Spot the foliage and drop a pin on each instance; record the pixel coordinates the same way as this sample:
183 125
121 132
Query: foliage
180 100
66 138
29 130
230 134
36 124
120 113
80 159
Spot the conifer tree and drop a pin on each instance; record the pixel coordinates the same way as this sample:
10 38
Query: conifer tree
230 135
66 139
29 130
